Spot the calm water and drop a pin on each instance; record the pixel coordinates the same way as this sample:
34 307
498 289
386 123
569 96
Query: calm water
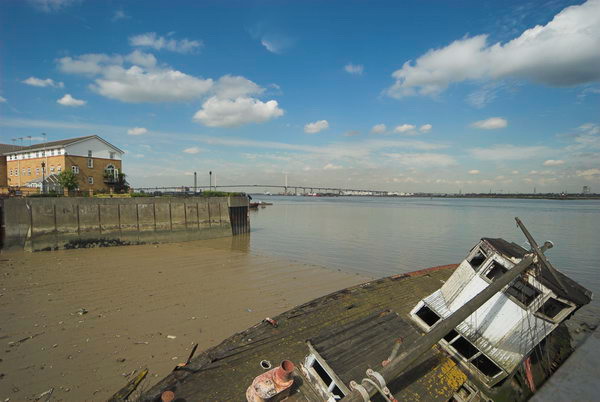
384 236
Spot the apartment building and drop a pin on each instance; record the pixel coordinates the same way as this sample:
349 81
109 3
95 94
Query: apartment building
95 161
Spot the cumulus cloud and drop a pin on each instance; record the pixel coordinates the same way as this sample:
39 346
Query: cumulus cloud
68 100
355 69
404 128
229 86
137 85
554 162
219 112
154 41
378 129
87 64
38 82
570 41
315 127
425 128
474 171
490 124
509 152
192 150
422 159
137 131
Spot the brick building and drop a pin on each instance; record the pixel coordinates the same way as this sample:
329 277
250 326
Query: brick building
95 161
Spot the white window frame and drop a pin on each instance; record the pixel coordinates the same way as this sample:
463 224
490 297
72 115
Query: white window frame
90 180
75 169
90 163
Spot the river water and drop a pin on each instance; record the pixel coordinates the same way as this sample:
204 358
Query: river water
383 236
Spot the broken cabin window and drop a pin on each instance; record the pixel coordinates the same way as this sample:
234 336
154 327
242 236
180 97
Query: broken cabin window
477 260
522 291
486 366
552 308
327 380
464 347
450 336
495 271
428 316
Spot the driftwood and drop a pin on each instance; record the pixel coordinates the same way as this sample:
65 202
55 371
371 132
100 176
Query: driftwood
128 389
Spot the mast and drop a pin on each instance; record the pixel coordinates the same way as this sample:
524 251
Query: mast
410 353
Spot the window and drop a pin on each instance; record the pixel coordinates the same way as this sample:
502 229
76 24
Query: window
37 171
477 260
90 163
10 172
75 169
90 180
486 366
495 271
111 155
37 154
58 168
450 336
89 153
23 172
28 171
552 308
522 291
325 378
473 355
427 315
464 347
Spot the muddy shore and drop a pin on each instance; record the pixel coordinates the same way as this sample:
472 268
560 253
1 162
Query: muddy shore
83 322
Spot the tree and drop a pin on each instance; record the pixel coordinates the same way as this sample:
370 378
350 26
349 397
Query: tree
121 185
68 180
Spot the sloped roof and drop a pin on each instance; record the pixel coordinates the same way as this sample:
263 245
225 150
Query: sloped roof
51 144
5 148
572 291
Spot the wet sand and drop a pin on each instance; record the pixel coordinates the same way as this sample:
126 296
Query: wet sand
82 321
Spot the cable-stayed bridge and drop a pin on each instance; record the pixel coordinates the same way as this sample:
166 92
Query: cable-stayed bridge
291 190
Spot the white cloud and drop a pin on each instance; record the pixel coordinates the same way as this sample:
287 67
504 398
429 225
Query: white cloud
315 127
192 150
422 159
509 152
515 172
570 41
150 39
137 131
137 85
275 43
141 59
554 162
404 128
588 173
38 82
331 166
351 133
474 171
88 64
490 124
378 129
51 5
355 69
218 112
229 86
425 128
68 100
3 99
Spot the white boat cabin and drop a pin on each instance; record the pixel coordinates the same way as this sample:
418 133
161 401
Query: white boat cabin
493 341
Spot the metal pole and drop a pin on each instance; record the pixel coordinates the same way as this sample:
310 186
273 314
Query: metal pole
210 181
414 350
195 183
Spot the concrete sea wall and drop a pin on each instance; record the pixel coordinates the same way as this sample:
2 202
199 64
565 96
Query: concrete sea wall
50 223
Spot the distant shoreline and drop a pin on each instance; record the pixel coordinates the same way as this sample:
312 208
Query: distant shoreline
567 197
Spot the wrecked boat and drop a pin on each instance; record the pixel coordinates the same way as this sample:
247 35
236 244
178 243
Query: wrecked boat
489 328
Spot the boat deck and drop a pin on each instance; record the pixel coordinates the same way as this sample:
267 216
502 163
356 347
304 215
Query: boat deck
223 373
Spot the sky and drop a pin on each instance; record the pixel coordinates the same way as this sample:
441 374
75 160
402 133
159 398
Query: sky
411 96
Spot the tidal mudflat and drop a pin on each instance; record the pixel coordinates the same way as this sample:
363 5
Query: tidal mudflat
83 322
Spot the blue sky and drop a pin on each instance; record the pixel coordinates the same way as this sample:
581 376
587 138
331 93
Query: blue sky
402 96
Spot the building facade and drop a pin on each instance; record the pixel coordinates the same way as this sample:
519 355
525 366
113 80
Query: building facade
96 162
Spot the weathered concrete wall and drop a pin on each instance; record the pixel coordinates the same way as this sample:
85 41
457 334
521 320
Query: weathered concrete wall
49 223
